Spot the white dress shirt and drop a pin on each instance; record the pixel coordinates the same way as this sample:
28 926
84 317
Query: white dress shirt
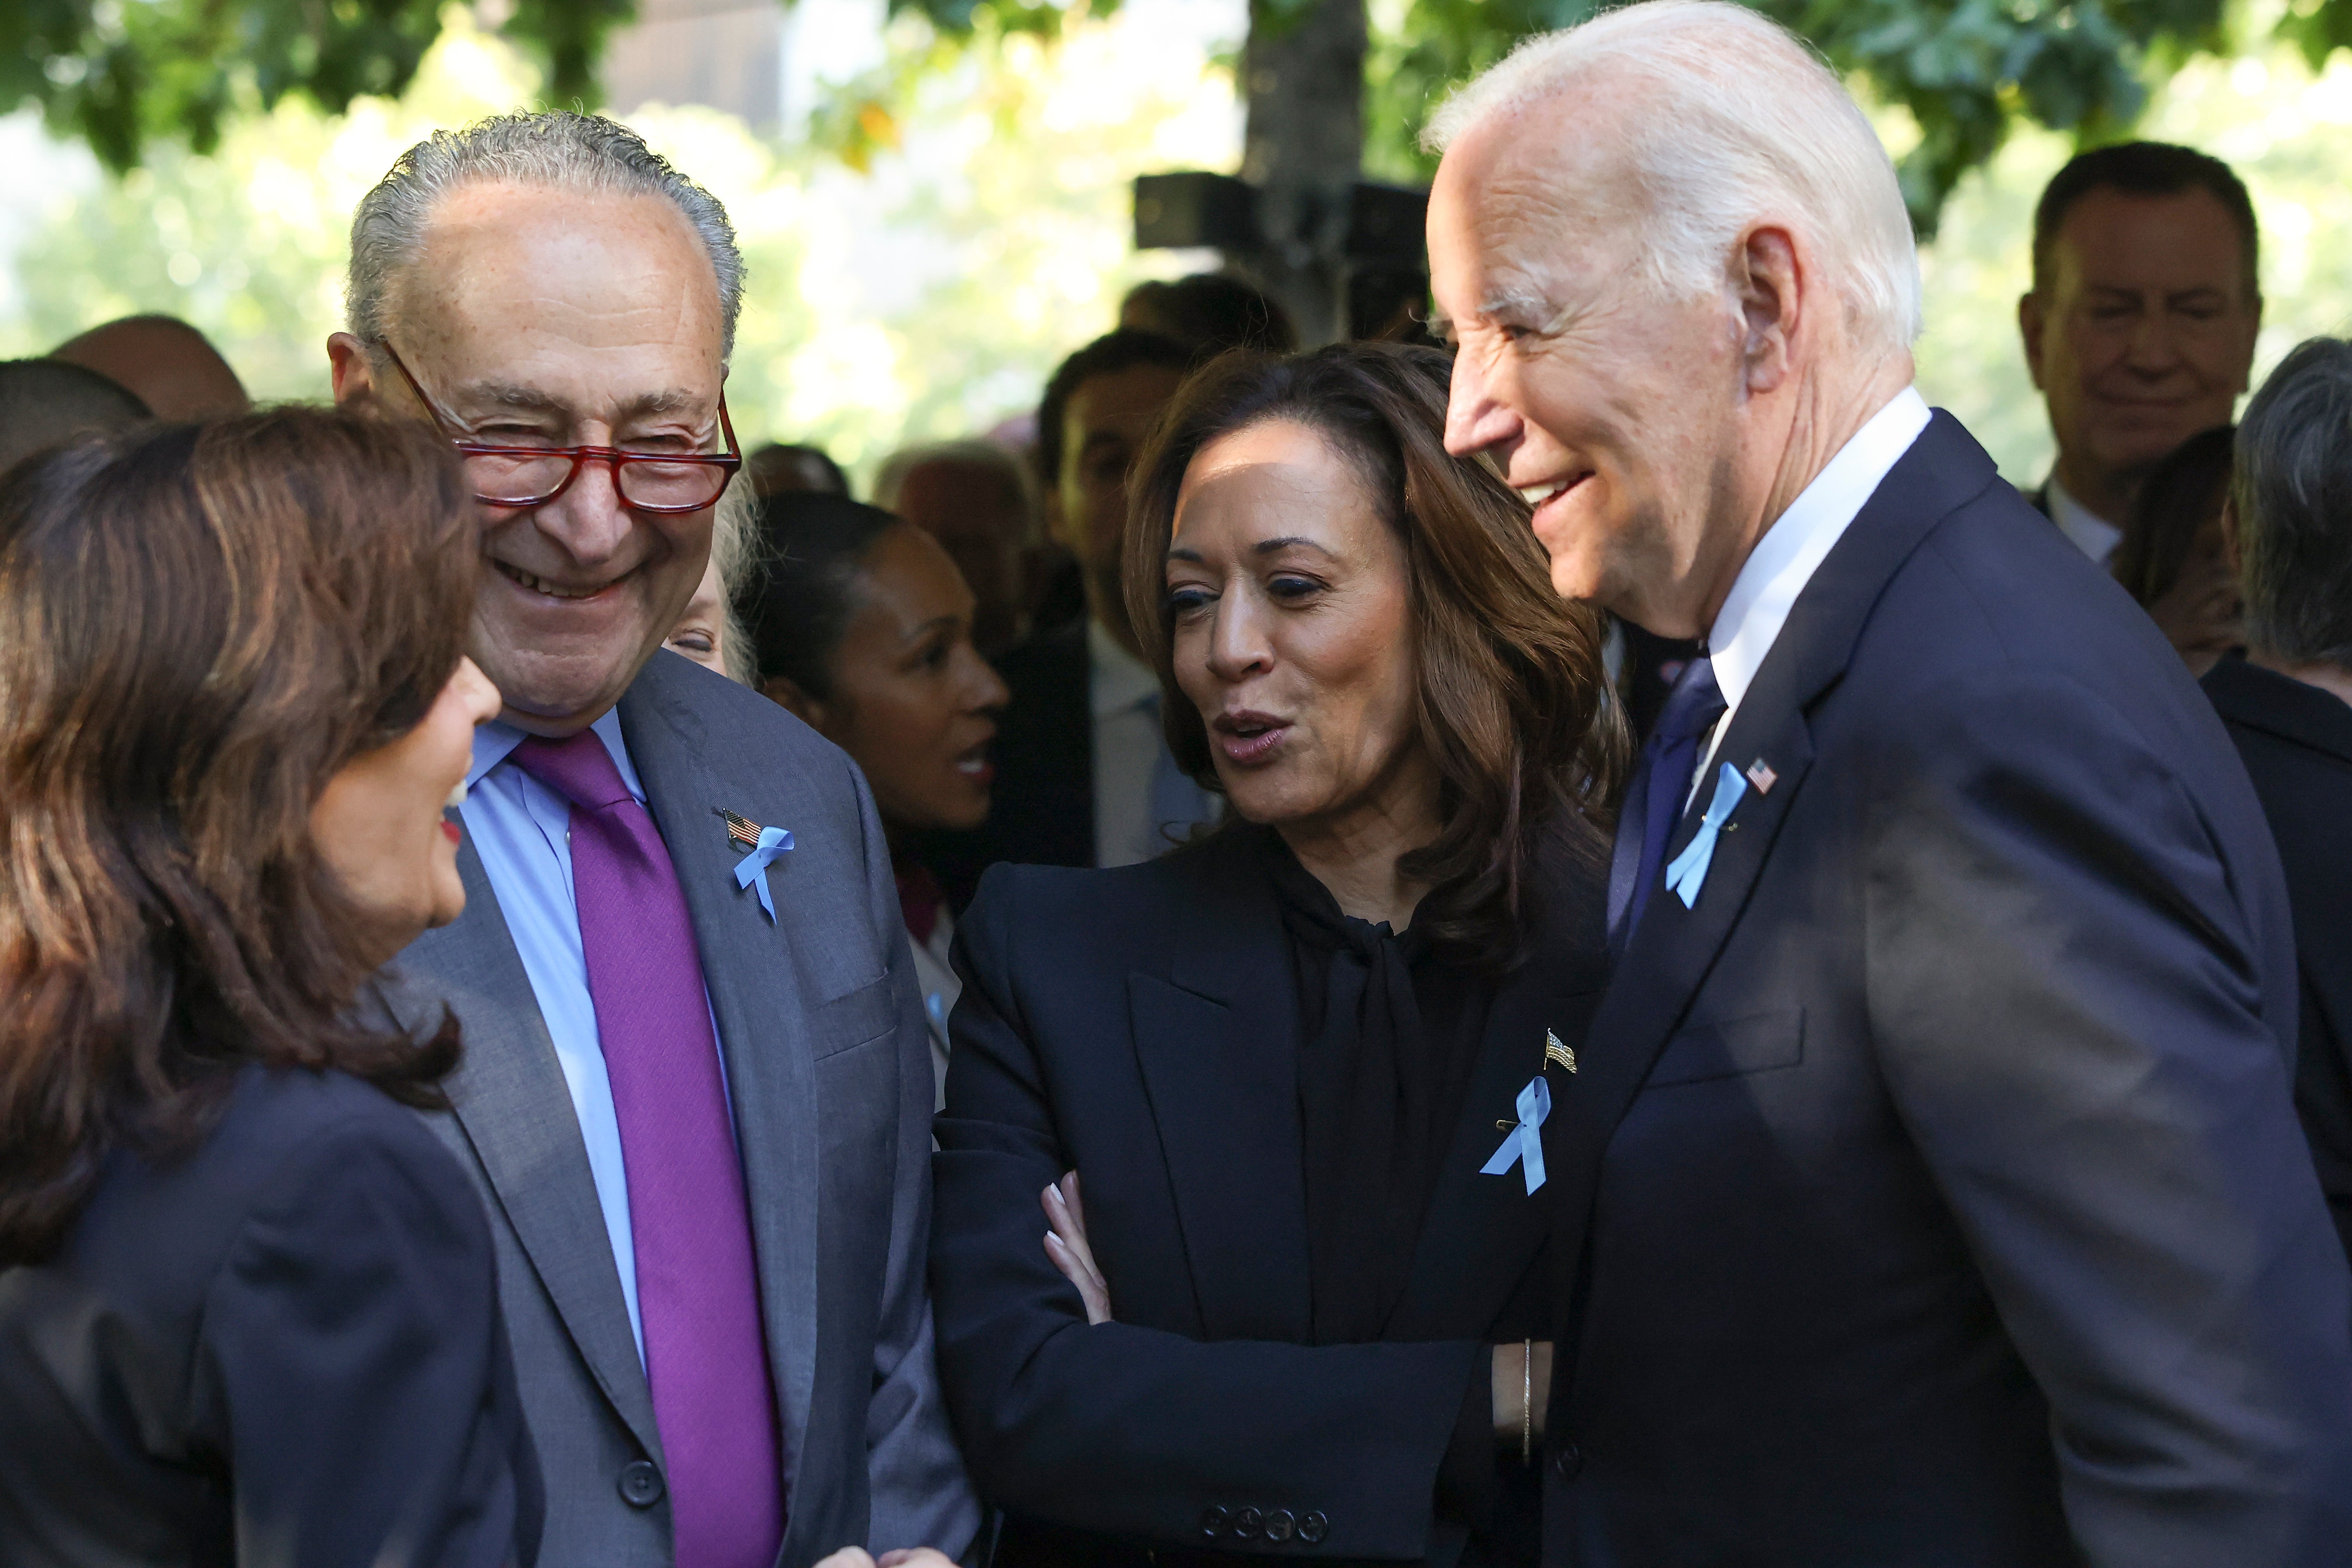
522 830
2093 535
1123 695
937 980
1792 549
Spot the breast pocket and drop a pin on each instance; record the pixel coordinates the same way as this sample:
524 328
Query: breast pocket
853 1019
1731 1048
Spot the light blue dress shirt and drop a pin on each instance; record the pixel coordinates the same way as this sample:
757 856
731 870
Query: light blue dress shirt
522 831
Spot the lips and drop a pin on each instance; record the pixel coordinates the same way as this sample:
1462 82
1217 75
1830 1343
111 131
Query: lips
975 766
1538 496
553 590
1249 738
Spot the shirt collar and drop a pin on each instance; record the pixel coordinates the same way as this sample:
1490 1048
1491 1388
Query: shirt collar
1795 546
2093 535
1117 679
495 741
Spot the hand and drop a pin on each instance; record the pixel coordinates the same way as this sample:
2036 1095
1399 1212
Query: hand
1066 1244
905 1557
1522 1391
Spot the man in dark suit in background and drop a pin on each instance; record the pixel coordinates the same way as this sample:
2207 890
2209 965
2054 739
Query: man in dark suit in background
695 1096
1940 1198
2140 328
2288 705
1082 777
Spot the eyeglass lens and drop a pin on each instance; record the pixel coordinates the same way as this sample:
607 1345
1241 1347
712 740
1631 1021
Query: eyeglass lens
643 481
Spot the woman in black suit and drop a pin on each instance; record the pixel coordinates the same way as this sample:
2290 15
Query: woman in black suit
1279 1305
249 1305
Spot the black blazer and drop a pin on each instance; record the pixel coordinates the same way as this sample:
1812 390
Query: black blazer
1042 804
2296 742
1139 1025
1939 1194
281 1352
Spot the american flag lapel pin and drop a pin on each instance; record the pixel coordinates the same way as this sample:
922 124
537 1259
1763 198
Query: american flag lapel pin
1761 775
1555 1051
741 829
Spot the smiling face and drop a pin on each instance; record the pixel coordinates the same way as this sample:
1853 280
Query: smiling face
2142 335
1291 617
381 825
911 700
1612 407
540 317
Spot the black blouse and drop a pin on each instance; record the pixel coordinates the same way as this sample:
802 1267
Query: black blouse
1390 1034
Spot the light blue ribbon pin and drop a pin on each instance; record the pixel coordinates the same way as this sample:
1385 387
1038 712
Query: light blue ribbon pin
754 868
1689 869
1523 1144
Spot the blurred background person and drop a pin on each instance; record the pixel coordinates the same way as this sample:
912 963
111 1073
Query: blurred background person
166 364
2174 558
978 501
2288 706
776 467
249 1304
43 402
1083 775
862 627
1309 1029
1210 312
2139 329
709 632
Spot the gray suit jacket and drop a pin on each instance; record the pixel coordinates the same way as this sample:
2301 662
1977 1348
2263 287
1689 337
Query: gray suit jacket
828 1064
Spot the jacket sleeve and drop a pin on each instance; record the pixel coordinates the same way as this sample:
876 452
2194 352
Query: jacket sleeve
920 1496
353 1364
1128 1430
2073 989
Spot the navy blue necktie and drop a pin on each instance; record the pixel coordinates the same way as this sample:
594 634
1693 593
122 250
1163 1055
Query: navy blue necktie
1655 801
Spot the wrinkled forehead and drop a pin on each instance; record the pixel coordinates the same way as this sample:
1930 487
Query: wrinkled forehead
591 298
1528 202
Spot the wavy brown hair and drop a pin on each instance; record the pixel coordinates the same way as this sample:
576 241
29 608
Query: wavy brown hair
199 625
1515 706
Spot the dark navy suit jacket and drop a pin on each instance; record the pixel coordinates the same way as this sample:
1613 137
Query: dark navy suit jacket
1940 1199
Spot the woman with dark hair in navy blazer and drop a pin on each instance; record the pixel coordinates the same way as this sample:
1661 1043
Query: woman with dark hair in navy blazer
1283 1090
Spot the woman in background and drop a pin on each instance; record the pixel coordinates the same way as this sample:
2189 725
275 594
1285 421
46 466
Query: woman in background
249 1304
861 624
1301 1065
2173 557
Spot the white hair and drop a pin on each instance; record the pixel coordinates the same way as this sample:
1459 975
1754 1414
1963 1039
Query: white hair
1739 120
559 149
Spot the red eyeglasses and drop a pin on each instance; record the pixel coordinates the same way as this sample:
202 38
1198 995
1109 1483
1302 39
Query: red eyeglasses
519 477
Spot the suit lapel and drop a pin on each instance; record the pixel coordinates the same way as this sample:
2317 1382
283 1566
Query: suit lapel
1482 1232
757 997
1671 952
1217 1041
515 1110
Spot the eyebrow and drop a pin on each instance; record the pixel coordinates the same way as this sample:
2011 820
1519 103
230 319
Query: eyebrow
1263 547
530 399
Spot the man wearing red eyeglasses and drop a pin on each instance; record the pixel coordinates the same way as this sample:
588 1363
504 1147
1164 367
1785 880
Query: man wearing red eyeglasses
698 1083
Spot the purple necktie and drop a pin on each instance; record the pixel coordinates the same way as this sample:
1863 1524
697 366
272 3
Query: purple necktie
697 1293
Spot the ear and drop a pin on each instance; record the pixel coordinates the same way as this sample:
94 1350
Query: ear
1057 518
354 376
2030 323
1771 284
786 694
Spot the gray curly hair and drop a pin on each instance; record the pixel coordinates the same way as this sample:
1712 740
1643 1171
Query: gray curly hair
558 148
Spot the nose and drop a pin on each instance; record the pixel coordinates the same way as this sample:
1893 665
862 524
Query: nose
481 698
1476 419
983 689
1238 645
2154 350
589 519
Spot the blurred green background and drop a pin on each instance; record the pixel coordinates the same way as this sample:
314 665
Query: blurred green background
920 257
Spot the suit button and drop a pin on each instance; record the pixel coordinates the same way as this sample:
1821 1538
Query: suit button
1313 1527
1213 1522
641 1483
1279 1524
1567 1462
1245 1524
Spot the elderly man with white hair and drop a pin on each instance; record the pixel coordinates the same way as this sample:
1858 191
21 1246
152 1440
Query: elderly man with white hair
1942 1200
697 1089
